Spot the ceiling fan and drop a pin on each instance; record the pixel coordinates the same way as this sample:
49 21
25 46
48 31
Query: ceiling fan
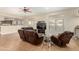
26 9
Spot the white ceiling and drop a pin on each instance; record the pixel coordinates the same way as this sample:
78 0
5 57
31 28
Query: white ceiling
35 10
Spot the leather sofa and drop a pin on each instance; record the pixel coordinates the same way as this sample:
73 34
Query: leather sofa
30 35
21 32
62 39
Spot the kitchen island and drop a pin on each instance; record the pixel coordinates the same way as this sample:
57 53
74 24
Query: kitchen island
9 29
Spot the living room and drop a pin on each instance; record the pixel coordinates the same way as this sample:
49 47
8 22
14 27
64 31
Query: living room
58 20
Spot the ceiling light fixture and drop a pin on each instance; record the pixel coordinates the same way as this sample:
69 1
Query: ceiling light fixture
26 9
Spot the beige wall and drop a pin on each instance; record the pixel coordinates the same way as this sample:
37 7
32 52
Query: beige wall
70 23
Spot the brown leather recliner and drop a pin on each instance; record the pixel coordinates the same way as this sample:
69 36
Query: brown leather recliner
62 39
21 32
30 36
